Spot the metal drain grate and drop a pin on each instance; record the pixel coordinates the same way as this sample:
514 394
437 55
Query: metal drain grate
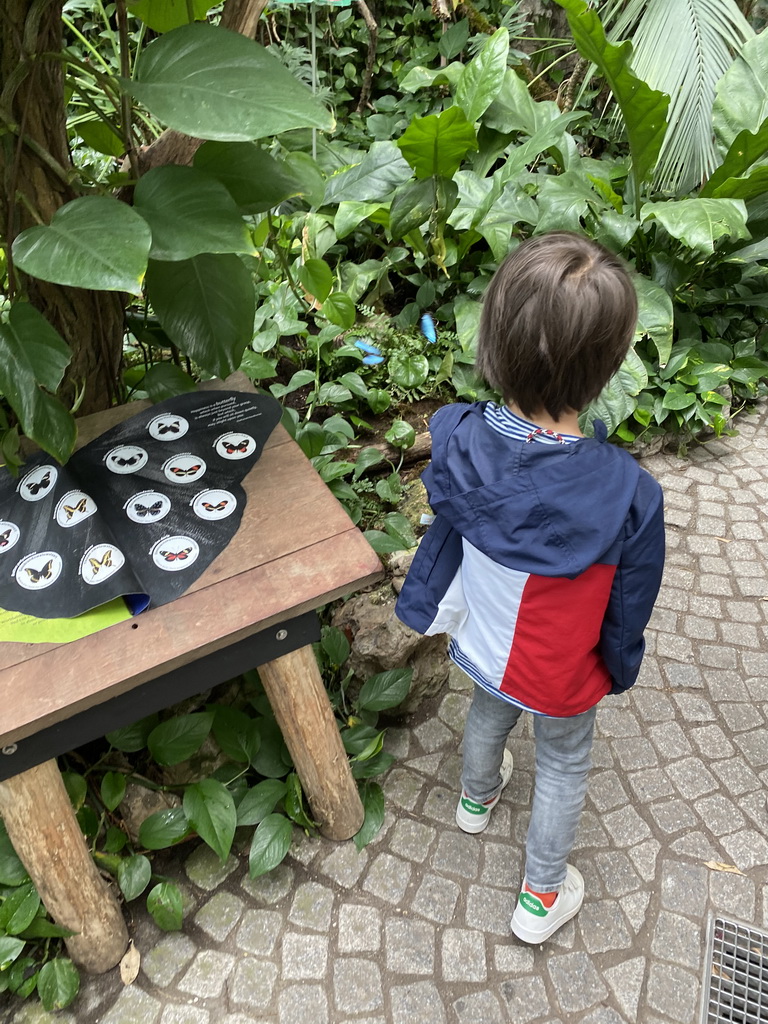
737 962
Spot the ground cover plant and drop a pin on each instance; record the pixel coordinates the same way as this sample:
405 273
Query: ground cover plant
328 224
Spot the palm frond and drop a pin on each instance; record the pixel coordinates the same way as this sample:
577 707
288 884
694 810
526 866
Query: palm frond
681 47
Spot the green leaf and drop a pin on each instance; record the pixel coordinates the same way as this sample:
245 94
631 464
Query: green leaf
112 789
165 380
42 928
260 801
271 842
237 734
401 434
741 100
12 871
273 760
76 787
32 353
298 380
373 766
750 186
215 84
411 206
421 78
655 315
10 950
94 242
178 738
210 810
399 526
698 223
745 149
163 15
335 646
189 213
373 802
437 144
453 41
133 875
515 110
294 802
678 397
166 906
368 457
133 737
19 909
256 181
613 405
163 829
382 543
350 214
258 367
316 278
644 109
379 400
58 983
380 171
206 306
340 310
102 137
385 690
483 76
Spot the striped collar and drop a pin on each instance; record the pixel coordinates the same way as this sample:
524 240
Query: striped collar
501 419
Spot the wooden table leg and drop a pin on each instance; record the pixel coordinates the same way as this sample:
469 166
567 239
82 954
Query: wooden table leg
296 692
45 834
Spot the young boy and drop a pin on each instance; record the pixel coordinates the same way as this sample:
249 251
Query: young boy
546 552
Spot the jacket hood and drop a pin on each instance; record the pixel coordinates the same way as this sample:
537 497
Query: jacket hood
553 510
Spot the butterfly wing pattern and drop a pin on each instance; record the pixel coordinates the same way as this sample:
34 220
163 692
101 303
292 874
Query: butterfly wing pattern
205 442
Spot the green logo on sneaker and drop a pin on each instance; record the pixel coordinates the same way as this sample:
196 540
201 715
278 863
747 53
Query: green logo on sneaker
472 807
533 905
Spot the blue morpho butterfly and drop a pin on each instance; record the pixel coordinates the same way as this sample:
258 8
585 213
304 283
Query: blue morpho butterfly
428 329
372 355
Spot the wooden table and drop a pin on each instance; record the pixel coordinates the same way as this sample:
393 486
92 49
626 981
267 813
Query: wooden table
296 550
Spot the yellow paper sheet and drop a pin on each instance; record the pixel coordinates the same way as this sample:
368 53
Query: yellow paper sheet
26 629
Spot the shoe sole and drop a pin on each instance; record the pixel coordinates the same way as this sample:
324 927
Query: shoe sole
534 938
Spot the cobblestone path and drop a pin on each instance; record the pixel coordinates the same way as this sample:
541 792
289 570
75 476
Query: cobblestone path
415 929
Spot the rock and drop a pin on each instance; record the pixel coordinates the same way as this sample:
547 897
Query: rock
381 642
139 802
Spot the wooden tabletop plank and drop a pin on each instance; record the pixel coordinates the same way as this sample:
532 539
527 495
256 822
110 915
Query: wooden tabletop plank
51 687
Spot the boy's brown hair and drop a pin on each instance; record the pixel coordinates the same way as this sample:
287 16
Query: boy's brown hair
558 318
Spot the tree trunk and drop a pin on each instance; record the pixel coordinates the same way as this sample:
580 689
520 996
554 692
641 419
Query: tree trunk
91 322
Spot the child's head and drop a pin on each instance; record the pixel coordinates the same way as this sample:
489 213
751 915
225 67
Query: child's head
558 318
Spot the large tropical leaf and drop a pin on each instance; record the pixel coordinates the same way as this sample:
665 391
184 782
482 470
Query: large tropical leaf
699 223
742 93
682 48
216 84
730 180
644 109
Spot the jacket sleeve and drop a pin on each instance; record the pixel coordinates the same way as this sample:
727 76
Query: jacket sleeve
635 587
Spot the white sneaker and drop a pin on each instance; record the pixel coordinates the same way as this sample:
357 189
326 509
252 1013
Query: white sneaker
533 922
474 817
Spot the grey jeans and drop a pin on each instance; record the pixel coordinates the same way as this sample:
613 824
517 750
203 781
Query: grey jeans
563 748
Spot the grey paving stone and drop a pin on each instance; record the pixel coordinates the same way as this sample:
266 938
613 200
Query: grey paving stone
219 915
359 928
440 805
603 927
404 788
719 814
241 1018
33 1013
411 839
634 752
397 742
650 784
618 875
436 898
513 959
502 865
718 657
410 946
652 705
635 907
253 983
606 791
206 870
673 992
457 854
678 674
133 1006
746 848
644 857
670 740
699 628
166 960
626 827
272 887
426 764
576 983
684 888
463 955
299 1004
626 980
712 742
526 999
184 1014
388 878
677 939
590 832
356 986
603 1015
207 974
695 845
258 931
676 647
673 815
736 776
479 1008
490 910
345 864
312 907
419 1003
754 747
453 710
303 849
304 957
733 895
615 722
433 735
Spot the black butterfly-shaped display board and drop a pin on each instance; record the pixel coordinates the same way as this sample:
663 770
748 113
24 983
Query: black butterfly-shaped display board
138 513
